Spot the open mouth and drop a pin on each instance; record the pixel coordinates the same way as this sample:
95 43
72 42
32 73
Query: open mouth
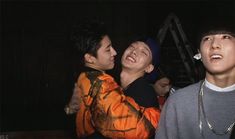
130 58
216 56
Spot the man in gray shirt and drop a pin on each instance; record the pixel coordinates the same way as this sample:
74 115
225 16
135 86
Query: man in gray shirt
205 110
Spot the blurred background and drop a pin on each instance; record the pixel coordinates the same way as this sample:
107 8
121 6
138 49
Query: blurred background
37 67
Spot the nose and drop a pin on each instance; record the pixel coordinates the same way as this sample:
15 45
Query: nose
215 44
133 52
113 52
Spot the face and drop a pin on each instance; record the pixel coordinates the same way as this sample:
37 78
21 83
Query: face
137 57
162 86
218 54
105 55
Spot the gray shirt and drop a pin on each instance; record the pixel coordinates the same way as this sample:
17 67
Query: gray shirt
180 118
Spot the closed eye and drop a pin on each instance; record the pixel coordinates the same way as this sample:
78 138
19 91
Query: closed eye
108 48
145 53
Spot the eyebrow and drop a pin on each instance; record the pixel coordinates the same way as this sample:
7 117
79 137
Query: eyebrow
109 45
149 51
131 45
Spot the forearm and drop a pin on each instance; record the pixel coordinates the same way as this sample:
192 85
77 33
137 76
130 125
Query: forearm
118 116
73 106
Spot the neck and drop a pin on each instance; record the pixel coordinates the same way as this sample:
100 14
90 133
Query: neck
221 80
128 76
93 67
219 89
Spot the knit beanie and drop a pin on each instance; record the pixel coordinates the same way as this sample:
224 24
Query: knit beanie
155 50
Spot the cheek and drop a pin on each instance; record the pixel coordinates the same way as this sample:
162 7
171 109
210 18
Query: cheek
103 58
146 60
204 52
231 54
125 54
143 61
231 48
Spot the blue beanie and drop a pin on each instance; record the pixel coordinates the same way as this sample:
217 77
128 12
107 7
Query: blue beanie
155 50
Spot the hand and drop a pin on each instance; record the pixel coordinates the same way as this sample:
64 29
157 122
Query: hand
73 105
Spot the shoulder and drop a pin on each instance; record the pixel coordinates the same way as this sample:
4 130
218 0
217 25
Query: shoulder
105 77
189 89
141 86
107 82
143 83
95 75
186 93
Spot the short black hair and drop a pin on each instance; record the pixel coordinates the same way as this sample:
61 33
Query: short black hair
212 27
212 30
87 35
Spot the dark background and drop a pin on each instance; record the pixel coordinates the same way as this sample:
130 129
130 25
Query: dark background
37 66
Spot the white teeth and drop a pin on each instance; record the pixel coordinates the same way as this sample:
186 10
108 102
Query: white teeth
216 56
130 58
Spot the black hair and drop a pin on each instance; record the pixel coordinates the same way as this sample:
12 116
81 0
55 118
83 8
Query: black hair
212 27
87 35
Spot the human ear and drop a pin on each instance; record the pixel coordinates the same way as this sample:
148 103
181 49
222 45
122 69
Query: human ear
89 58
149 68
197 56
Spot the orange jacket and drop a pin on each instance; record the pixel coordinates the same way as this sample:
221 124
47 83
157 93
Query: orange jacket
104 107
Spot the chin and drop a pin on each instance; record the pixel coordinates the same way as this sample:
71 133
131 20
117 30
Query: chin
217 71
110 67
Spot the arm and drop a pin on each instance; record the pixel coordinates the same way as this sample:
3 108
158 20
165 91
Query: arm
167 128
118 116
73 106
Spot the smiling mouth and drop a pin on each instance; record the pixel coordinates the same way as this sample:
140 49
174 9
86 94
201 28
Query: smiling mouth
216 56
129 58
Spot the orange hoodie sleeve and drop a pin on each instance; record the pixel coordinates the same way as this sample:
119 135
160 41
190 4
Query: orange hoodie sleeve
118 116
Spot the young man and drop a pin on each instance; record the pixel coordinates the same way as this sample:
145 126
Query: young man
99 103
205 110
138 60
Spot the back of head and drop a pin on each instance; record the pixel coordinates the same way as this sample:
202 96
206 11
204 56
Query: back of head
87 35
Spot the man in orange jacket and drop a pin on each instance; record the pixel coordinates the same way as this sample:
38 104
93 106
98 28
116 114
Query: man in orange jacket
101 106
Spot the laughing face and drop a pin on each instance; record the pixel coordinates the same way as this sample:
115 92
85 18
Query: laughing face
137 57
218 53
